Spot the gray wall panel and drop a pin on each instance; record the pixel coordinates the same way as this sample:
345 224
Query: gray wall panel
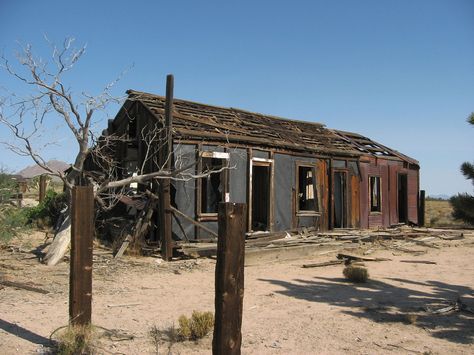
256 153
238 175
185 191
283 183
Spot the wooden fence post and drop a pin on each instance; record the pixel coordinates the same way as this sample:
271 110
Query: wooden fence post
42 187
80 276
421 209
229 297
165 184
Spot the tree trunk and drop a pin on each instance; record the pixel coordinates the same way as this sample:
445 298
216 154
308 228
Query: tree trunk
60 244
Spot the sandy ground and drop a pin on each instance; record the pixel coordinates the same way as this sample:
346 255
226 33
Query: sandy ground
287 309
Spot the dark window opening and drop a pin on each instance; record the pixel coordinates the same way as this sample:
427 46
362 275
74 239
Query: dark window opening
261 175
132 128
211 185
375 194
340 200
402 198
307 196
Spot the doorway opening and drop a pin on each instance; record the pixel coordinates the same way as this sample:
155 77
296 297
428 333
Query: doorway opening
340 204
261 183
402 198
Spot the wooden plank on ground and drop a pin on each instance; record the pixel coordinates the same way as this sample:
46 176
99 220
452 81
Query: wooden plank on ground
325 263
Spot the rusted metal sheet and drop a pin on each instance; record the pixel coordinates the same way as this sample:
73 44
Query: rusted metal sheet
413 196
384 173
355 206
393 193
323 190
364 196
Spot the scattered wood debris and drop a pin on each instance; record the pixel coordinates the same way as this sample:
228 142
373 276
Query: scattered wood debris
452 306
22 286
401 238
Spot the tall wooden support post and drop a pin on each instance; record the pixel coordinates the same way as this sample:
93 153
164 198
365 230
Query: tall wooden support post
421 209
42 188
165 184
229 279
80 276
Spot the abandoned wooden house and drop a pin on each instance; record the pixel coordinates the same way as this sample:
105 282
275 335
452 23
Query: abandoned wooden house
292 174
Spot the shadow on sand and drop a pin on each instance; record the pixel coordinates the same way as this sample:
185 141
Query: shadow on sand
384 302
24 333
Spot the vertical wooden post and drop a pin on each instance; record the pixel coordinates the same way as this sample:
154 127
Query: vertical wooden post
80 276
42 188
421 209
229 279
165 184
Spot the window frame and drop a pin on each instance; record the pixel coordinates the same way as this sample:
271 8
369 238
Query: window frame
379 211
317 210
225 157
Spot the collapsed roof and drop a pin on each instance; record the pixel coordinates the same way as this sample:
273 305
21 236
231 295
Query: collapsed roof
193 120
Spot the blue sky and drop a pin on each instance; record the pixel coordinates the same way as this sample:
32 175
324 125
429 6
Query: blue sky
400 72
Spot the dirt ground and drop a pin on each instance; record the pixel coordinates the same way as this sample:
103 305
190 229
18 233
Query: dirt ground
287 309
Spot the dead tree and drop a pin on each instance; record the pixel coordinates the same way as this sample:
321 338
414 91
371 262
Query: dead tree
51 101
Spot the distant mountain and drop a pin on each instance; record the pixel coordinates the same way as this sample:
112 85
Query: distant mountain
35 170
439 197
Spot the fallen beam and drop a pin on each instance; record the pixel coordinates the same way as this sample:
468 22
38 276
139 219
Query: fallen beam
196 223
326 263
22 286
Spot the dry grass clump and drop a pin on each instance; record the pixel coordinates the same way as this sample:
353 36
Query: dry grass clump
356 273
76 339
411 318
196 327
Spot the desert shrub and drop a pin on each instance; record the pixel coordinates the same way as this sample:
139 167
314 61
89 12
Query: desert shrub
356 273
7 187
411 318
184 327
196 327
13 220
158 336
47 212
76 339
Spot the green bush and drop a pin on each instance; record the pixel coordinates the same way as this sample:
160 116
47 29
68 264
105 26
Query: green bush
7 187
48 211
12 221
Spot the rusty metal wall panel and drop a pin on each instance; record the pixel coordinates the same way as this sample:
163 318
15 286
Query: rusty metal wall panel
323 189
413 196
355 205
385 195
393 193
375 220
364 195
379 168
